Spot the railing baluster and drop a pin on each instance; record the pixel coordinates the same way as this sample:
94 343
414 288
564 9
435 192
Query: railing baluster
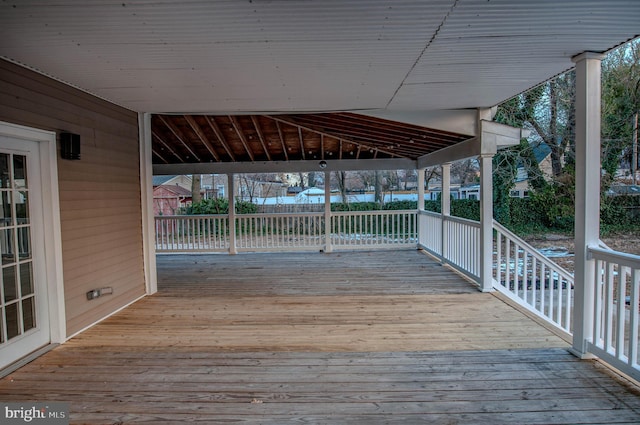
534 282
634 302
608 307
621 314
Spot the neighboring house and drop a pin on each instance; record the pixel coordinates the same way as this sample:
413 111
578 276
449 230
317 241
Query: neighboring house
542 154
216 186
168 199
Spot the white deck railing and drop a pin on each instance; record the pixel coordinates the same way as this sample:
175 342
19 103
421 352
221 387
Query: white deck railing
430 232
615 309
279 232
454 240
287 231
367 229
192 233
532 279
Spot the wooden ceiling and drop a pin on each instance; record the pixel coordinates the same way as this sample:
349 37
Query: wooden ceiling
188 139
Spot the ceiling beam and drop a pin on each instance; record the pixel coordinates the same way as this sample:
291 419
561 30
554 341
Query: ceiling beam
218 132
283 166
203 138
236 127
467 149
493 136
256 124
178 134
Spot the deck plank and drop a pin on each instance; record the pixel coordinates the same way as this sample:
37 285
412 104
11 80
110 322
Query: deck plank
380 337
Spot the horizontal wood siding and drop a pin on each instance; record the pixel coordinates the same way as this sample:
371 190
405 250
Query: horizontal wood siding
99 195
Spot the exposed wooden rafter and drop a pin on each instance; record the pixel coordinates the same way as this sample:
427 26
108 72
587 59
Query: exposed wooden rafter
284 146
292 137
159 156
218 132
302 149
236 127
256 124
160 140
178 135
319 132
205 141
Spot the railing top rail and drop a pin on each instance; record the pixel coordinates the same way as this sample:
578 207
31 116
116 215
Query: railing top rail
375 212
283 214
533 251
466 221
431 213
609 255
191 216
453 218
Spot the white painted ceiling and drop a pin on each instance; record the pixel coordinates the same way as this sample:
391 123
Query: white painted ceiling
233 56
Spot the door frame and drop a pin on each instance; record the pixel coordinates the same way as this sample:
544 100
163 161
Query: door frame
47 155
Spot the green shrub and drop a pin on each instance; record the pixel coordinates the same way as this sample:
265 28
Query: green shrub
355 206
400 205
466 208
220 206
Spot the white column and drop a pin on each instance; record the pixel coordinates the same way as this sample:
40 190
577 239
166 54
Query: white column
232 213
445 208
146 191
445 203
327 211
486 222
421 189
587 204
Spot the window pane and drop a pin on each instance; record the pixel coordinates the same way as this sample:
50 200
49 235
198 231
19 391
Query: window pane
26 280
5 180
5 209
9 283
13 325
24 243
1 328
20 171
6 246
22 208
28 314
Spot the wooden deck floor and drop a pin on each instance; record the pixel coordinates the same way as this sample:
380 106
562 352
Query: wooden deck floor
351 338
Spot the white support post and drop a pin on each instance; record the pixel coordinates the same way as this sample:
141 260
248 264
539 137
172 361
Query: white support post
421 189
445 209
232 214
146 192
327 212
486 222
587 204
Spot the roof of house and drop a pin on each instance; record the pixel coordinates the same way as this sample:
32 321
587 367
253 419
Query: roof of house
159 180
540 150
175 189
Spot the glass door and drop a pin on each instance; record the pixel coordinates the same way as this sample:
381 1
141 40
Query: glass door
24 325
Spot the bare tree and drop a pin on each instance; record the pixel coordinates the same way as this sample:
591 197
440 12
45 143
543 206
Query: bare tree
196 188
341 179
